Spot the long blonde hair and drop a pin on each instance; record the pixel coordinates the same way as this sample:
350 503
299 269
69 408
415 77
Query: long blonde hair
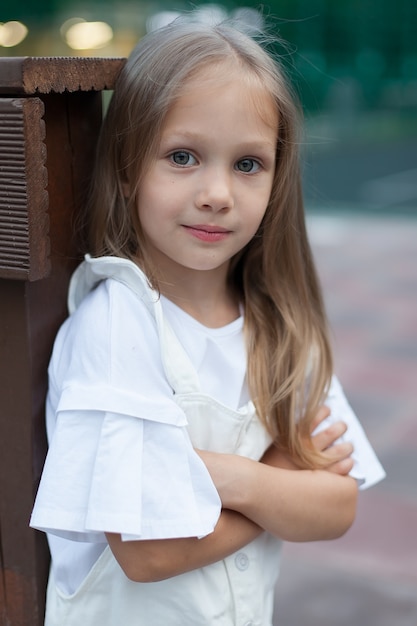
289 356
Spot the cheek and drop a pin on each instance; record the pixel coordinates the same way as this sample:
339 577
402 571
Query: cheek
159 195
257 217
263 202
145 213
155 211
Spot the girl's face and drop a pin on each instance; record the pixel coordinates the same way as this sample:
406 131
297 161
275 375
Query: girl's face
207 189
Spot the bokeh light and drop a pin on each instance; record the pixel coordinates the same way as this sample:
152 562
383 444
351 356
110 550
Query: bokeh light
12 33
82 35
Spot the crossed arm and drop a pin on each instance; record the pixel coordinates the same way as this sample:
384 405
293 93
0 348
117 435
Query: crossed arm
271 495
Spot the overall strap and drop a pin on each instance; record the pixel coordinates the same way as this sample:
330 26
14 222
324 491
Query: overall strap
178 368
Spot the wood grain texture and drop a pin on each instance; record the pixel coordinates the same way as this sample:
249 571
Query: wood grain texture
41 75
24 243
47 142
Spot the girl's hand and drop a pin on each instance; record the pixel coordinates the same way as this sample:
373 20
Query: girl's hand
339 455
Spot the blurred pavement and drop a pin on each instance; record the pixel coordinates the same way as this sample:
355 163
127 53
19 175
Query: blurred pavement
368 268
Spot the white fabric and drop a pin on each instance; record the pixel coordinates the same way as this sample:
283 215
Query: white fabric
120 474
367 470
119 442
217 354
115 399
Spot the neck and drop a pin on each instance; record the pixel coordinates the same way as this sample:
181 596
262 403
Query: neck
203 295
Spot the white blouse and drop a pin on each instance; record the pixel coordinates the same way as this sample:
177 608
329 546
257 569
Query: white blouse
120 458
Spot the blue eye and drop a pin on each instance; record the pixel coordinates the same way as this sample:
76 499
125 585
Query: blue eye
182 158
247 166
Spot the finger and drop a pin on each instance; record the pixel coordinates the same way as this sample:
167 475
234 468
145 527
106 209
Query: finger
342 467
329 436
338 452
321 415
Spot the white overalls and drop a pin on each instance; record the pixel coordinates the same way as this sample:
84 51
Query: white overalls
237 591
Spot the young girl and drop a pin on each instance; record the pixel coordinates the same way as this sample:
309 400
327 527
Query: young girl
192 416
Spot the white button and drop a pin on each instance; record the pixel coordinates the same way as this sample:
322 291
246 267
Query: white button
242 561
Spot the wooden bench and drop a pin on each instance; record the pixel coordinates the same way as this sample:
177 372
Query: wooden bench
50 115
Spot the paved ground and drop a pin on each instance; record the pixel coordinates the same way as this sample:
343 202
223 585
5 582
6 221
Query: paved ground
368 267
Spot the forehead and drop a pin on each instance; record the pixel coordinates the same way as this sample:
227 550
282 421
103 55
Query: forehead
247 91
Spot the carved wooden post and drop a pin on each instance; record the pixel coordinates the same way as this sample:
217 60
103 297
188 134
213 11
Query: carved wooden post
50 114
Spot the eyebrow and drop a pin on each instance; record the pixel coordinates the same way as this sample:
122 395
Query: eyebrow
186 135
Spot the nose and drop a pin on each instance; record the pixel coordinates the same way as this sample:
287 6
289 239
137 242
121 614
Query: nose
215 192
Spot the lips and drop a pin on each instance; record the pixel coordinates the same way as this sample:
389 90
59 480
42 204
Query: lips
208 232
208 228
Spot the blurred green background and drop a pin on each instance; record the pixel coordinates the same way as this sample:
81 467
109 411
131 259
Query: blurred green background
353 62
